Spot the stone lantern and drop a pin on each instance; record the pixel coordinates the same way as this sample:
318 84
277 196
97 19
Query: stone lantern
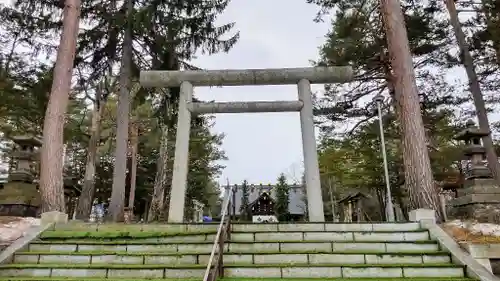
198 210
474 151
20 196
479 199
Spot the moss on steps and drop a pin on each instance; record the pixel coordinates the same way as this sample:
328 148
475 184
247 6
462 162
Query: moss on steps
102 266
121 253
228 265
232 279
349 279
49 235
115 242
109 279
132 242
337 231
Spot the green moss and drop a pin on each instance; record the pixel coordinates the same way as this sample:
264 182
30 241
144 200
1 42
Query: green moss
351 231
47 235
92 279
104 266
248 265
348 279
131 241
16 192
200 266
113 242
229 279
332 241
122 253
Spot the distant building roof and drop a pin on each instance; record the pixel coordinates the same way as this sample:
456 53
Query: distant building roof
353 196
296 206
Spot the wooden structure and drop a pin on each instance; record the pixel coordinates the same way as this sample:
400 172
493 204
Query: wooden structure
263 206
71 194
352 207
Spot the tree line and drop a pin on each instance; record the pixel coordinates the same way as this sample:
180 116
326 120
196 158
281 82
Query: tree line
442 46
85 100
69 72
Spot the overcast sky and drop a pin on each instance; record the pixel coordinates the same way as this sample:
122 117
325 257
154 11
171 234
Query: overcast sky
261 146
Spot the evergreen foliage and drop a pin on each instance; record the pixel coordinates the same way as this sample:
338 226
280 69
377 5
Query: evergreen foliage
245 214
282 198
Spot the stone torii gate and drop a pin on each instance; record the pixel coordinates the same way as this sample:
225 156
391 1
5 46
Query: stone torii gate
303 77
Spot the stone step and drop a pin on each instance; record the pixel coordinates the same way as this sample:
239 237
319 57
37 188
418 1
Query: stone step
344 271
396 236
195 238
321 246
235 270
305 227
121 246
334 279
138 236
247 258
139 227
224 279
102 271
271 227
234 247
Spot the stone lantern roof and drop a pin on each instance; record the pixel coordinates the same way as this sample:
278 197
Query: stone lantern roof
470 133
27 140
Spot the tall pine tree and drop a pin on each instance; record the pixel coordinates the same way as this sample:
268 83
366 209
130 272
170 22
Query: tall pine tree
282 198
244 208
165 34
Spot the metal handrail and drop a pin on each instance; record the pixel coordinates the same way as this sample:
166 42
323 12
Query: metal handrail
225 207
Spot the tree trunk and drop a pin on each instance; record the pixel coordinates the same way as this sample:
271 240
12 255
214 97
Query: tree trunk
51 160
86 198
418 173
116 206
134 142
475 90
157 202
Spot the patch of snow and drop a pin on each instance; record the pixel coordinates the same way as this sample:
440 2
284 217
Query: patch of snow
13 230
476 228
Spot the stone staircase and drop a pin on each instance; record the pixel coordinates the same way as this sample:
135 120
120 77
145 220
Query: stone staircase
311 250
121 252
400 250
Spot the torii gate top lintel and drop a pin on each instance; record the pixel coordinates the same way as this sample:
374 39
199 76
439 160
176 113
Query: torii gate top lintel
243 77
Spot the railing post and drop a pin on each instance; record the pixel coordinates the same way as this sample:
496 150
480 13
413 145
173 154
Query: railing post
220 265
215 266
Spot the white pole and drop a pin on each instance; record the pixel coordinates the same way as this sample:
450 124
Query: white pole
389 208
